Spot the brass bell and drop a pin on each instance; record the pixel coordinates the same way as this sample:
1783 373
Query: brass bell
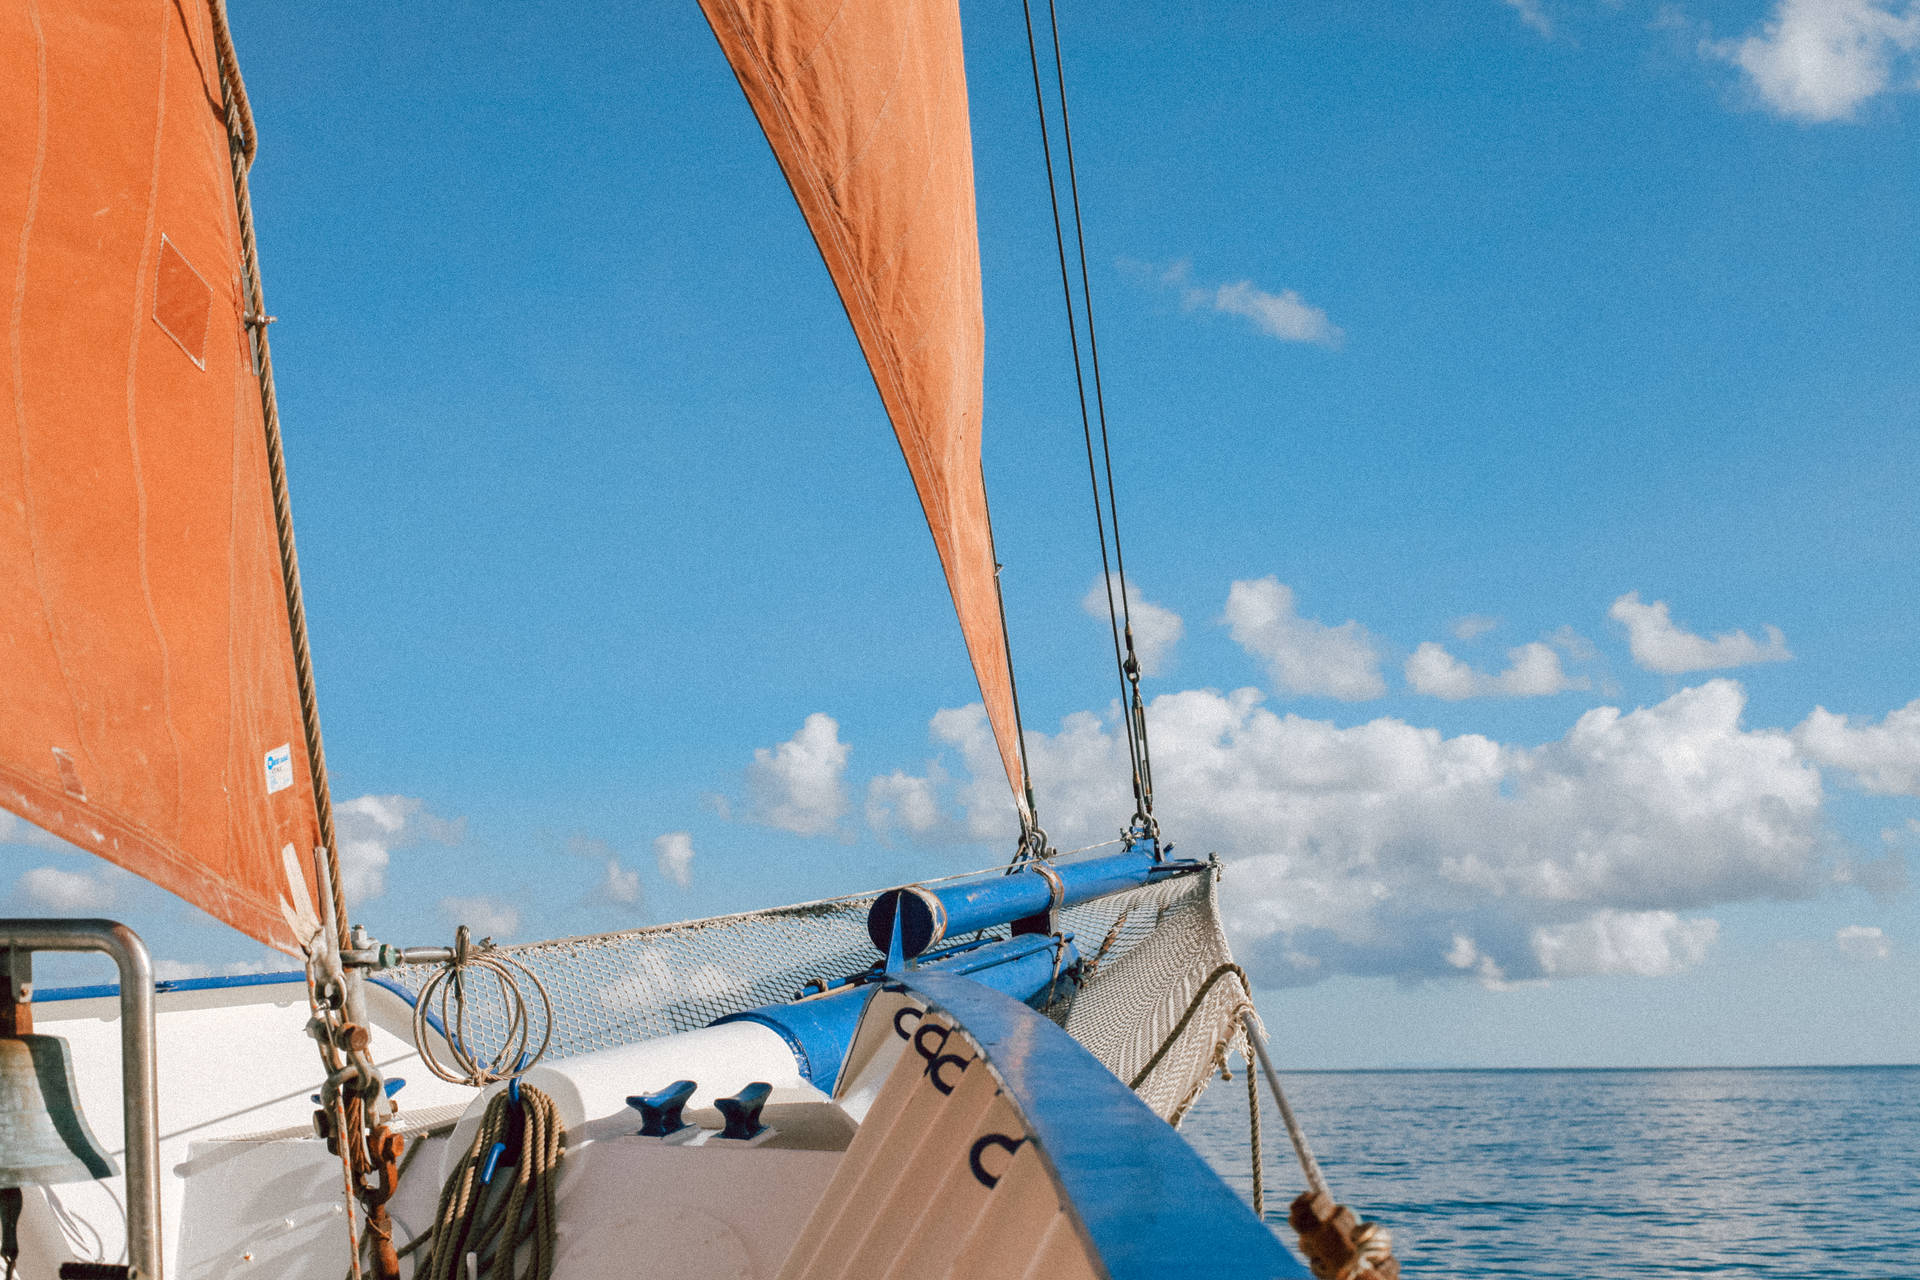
44 1140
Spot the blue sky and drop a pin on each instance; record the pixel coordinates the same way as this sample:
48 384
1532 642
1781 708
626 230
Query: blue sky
1516 421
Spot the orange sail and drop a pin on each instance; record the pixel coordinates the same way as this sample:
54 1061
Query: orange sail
149 710
865 103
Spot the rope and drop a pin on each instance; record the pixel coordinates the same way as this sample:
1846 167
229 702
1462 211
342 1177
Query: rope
1033 841
1180 1026
1308 1165
244 143
240 108
1068 853
445 993
482 1224
1337 1244
1092 966
1253 1140
344 1121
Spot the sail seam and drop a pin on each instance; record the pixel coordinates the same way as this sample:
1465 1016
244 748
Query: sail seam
148 255
16 329
111 833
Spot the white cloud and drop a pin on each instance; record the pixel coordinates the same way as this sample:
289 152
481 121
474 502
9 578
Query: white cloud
1574 645
1658 644
931 808
486 917
175 970
1531 13
1882 877
1473 626
1464 954
1534 672
1643 944
369 828
618 883
983 798
17 830
1819 60
1884 758
66 892
654 978
1156 630
796 785
900 802
1863 941
673 857
1303 655
1284 315
1368 849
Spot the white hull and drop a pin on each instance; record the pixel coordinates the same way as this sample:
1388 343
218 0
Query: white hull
248 1190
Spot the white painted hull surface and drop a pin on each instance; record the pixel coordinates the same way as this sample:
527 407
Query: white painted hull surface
248 1191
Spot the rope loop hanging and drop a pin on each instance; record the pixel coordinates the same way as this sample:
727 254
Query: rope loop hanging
445 999
498 1204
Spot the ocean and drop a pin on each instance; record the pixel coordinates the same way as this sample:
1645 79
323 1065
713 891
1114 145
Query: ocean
1774 1173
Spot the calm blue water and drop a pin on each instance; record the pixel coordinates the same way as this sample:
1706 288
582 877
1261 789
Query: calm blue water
1787 1174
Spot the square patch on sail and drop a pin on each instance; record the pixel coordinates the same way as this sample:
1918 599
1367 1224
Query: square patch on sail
182 303
69 774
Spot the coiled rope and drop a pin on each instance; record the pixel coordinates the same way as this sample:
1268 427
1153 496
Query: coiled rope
484 1221
446 995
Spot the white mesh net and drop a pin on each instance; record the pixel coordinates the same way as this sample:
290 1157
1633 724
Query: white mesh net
1163 1007
1156 1005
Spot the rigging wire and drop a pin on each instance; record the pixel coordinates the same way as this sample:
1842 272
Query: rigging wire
1033 838
1119 616
1131 666
446 995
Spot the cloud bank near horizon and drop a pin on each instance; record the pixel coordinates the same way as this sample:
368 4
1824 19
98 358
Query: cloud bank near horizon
1384 848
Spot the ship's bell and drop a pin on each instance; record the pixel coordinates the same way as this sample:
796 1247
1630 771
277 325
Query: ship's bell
43 1137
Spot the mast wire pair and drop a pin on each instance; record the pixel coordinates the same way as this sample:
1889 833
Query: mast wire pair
1106 509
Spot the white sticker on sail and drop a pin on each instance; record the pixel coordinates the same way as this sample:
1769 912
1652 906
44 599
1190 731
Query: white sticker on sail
280 768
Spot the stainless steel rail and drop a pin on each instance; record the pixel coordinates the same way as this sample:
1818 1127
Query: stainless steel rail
139 1081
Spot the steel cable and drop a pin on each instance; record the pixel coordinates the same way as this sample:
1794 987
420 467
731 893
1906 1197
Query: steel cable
1125 658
